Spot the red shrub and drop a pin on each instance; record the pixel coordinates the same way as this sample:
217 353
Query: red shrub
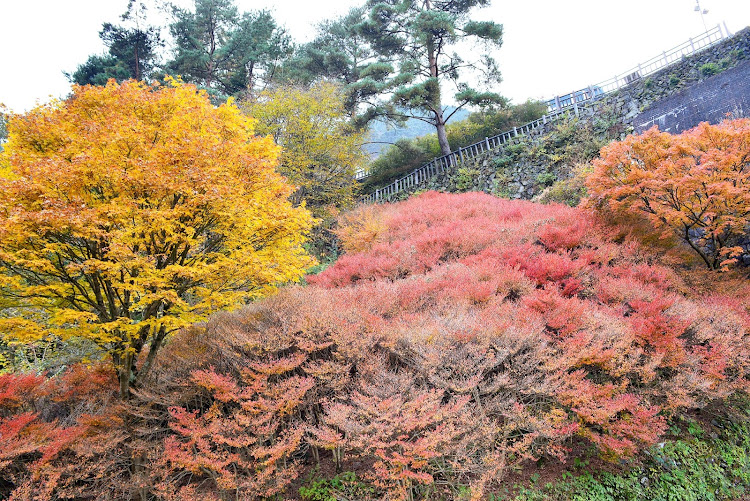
618 345
466 335
51 431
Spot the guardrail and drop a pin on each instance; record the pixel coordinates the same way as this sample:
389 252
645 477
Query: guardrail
574 101
644 69
440 164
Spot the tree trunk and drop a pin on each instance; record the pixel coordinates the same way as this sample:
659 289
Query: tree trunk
436 105
124 368
445 148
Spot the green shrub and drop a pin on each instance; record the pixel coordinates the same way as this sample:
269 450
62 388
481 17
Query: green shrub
546 178
343 486
568 191
466 178
709 69
674 81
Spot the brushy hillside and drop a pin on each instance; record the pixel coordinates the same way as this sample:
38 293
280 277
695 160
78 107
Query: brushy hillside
458 337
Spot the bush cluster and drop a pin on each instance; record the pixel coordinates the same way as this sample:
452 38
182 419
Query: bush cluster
459 336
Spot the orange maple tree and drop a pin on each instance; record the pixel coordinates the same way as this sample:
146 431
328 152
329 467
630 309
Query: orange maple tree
129 211
695 185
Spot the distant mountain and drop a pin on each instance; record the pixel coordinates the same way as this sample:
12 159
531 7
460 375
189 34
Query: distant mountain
381 133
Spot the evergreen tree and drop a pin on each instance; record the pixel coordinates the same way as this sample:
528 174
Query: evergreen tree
341 53
223 51
422 38
131 51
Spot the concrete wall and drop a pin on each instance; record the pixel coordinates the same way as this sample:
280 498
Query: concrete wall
707 101
635 100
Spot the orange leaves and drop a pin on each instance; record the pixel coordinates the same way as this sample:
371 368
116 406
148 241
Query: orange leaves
135 210
694 186
466 336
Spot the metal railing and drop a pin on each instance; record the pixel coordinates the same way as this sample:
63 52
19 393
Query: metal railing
642 70
440 164
575 101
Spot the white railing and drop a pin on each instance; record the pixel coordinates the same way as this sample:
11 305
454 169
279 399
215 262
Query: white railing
642 70
440 164
575 101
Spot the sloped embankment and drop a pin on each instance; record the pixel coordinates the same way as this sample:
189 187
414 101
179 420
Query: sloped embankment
459 336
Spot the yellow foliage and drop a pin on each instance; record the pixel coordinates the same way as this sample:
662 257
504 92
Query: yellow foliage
320 150
359 229
130 211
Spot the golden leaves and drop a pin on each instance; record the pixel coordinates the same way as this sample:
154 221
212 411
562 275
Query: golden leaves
132 208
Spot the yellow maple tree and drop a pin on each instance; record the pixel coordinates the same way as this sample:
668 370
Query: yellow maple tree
130 211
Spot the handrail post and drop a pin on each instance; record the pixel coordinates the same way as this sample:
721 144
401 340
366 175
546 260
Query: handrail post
487 142
515 132
726 30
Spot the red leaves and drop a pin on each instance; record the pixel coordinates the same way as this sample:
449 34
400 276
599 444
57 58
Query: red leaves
243 440
654 329
19 390
450 366
618 422
49 425
616 330
402 428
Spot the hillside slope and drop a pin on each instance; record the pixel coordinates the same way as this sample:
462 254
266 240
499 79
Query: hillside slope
459 337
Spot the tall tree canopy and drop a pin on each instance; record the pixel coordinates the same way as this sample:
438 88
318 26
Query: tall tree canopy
320 151
422 38
342 54
225 52
130 211
132 51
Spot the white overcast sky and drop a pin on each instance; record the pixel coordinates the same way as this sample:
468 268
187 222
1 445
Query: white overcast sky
551 47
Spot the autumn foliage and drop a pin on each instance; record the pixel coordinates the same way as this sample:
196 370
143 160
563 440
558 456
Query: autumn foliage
459 337
130 211
694 186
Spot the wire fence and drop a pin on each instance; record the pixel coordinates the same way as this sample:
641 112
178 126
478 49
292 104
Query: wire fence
559 107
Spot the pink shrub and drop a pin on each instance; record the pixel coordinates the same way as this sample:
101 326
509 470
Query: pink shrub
466 335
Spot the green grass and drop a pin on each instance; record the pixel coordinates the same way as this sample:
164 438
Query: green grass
700 466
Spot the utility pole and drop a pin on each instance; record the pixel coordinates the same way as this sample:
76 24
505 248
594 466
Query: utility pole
702 13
